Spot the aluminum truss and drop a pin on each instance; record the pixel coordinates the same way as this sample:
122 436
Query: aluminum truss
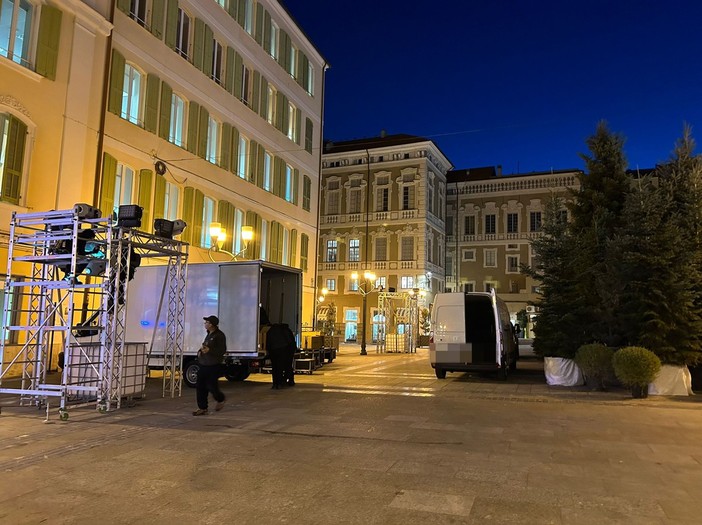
394 310
60 253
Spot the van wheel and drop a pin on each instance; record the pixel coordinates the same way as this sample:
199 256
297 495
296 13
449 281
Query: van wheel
513 364
502 373
236 372
440 373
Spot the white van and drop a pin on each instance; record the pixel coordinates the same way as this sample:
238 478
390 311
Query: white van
471 331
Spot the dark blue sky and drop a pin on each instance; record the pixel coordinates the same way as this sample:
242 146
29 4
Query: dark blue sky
516 83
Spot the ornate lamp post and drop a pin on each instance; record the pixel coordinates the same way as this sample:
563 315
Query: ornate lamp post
219 235
365 286
323 294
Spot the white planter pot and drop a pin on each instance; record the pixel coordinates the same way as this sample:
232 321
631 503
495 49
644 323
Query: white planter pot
560 371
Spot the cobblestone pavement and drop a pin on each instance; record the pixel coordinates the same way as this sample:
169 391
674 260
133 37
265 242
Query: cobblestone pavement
365 439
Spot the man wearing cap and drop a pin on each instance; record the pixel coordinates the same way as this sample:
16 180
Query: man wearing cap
210 357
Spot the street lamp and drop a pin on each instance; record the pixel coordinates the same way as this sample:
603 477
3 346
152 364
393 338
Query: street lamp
323 294
219 235
364 288
415 294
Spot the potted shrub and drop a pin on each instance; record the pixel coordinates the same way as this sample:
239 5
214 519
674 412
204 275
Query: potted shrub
330 339
424 326
636 367
595 361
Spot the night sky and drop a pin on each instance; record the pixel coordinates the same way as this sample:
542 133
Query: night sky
520 84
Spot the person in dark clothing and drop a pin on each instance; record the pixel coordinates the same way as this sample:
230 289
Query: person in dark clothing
210 357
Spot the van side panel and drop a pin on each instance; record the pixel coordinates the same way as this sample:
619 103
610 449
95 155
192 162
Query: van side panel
449 346
480 327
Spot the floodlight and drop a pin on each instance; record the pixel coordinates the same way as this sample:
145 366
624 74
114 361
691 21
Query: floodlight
129 215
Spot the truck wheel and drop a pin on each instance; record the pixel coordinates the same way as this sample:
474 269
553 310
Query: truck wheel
502 372
440 373
513 363
190 370
237 372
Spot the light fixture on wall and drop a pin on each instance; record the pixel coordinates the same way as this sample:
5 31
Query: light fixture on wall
218 236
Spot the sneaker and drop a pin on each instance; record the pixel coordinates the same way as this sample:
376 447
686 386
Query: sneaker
200 412
219 406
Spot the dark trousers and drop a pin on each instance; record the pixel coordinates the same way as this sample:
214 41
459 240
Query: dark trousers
208 383
278 367
288 368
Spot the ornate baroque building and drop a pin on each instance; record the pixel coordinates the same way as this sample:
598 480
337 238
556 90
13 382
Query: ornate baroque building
382 210
207 111
490 222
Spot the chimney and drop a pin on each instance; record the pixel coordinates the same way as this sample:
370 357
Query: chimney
383 133
499 170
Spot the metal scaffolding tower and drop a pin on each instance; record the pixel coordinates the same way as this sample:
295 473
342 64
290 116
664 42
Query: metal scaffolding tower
66 289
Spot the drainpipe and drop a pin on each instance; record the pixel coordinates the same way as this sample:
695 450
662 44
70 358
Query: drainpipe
319 193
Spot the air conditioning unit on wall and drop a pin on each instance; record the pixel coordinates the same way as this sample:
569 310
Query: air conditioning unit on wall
531 309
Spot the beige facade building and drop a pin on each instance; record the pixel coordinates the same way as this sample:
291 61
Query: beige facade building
207 111
490 222
382 211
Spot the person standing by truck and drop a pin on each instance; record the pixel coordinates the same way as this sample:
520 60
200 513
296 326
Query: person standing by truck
210 357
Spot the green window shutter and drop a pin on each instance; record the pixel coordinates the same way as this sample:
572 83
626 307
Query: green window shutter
305 71
298 126
48 41
171 23
299 57
14 160
159 197
198 206
199 43
238 75
276 176
225 158
144 199
232 8
164 126
202 133
107 186
260 165
256 97
309 131
253 158
229 72
123 5
293 248
157 17
304 246
264 98
253 251
234 168
226 216
188 214
267 27
281 244
306 193
193 115
153 85
296 183
258 27
208 50
273 242
241 12
114 105
282 37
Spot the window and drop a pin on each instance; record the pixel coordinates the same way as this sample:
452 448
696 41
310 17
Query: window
489 224
273 42
408 249
490 258
16 30
354 250
243 156
262 254
407 197
331 285
183 34
310 78
11 295
381 249
490 285
245 74
131 95
13 137
248 16
513 264
333 198
270 111
304 244
468 255
381 282
535 221
449 267
449 225
306 193
207 218
288 183
292 65
217 64
355 200
177 133
267 162
381 203
124 186
469 287
332 247
292 120
562 216
512 223
407 281
170 202
212 141
469 225
353 285
430 195
137 11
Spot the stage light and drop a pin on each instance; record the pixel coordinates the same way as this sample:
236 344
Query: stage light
129 215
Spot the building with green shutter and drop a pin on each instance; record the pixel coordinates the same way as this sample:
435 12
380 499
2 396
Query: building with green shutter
204 111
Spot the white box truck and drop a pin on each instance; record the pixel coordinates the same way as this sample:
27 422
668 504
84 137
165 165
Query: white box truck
472 331
234 292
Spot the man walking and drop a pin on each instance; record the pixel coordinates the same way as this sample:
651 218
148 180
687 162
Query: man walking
210 357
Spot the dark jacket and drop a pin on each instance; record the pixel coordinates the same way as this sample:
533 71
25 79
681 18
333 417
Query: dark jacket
216 341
